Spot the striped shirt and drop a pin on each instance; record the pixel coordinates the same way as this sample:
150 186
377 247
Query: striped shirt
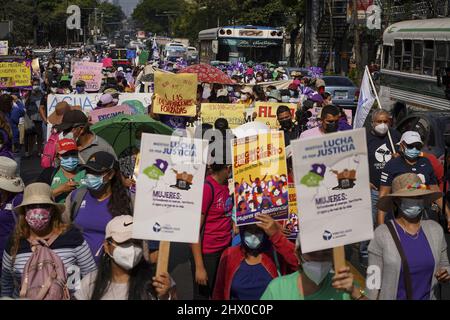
69 246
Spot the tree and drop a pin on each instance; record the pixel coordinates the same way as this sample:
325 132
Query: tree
112 17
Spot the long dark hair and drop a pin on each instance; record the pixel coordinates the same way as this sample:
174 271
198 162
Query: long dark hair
120 200
139 285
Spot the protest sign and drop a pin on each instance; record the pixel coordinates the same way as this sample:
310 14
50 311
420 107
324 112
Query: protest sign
90 73
169 189
292 222
108 113
260 176
332 185
35 65
233 113
3 48
313 121
143 57
266 112
15 74
175 94
107 63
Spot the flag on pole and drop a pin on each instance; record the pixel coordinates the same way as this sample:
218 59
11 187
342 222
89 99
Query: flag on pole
365 101
155 50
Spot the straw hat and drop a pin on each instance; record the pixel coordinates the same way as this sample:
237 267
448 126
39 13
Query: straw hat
57 115
407 185
247 90
38 193
9 181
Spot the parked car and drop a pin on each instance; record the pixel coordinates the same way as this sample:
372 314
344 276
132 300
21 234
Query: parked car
344 92
433 127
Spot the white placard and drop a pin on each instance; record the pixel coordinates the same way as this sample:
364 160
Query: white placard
333 194
169 188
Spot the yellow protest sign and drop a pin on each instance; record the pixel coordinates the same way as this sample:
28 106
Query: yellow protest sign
266 112
292 223
260 176
233 113
16 74
175 94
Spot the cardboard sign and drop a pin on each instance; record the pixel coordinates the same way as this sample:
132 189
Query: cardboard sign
175 94
89 72
169 189
15 74
3 48
332 184
108 113
233 113
266 112
260 176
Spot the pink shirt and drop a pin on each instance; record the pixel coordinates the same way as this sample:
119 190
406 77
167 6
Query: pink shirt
217 209
314 132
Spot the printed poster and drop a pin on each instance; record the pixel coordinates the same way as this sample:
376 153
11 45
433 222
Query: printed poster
266 112
260 176
233 113
4 48
89 72
332 184
15 74
169 189
175 94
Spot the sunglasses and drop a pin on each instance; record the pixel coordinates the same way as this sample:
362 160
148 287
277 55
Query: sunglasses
416 145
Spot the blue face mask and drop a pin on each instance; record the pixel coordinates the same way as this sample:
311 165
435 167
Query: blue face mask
94 182
253 241
69 163
411 208
411 154
80 89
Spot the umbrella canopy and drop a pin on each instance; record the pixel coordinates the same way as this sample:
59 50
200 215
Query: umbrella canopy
208 74
120 131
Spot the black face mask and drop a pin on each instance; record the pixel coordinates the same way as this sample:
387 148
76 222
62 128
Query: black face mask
286 124
331 127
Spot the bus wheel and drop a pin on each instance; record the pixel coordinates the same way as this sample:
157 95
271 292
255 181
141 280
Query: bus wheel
399 112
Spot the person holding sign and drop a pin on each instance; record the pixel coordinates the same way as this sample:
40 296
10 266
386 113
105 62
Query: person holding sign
246 270
408 254
314 280
123 273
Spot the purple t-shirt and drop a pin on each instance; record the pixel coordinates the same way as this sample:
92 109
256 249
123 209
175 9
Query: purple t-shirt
92 218
8 221
420 262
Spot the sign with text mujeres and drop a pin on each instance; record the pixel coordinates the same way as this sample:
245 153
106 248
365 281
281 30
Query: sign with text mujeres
175 94
332 184
260 177
169 188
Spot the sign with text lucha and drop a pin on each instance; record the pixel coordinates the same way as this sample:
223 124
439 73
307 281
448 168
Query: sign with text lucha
175 94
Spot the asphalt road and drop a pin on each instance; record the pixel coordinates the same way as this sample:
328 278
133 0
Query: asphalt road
179 264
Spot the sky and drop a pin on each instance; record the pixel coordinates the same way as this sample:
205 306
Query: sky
127 5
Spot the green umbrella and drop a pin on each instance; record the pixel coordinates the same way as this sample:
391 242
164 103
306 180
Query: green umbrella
120 131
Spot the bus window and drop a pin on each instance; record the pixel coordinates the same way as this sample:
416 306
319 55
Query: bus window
387 57
397 54
418 54
428 57
441 56
407 52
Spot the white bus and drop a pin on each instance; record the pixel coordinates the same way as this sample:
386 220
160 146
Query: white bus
415 55
241 43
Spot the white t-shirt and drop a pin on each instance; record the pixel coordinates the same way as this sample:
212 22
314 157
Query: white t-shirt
115 291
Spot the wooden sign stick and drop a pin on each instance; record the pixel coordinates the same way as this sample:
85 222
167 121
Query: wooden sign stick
163 257
338 258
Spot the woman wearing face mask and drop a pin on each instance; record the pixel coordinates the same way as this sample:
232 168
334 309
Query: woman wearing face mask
246 96
68 175
246 270
123 273
40 219
314 280
103 197
410 253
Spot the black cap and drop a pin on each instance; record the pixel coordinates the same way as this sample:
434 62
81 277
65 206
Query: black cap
100 162
71 119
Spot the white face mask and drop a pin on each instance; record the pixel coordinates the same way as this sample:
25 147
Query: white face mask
244 97
381 129
127 257
316 271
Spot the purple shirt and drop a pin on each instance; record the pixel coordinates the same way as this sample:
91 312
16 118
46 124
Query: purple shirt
92 218
420 262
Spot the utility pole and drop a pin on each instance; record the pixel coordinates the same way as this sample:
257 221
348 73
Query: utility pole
356 45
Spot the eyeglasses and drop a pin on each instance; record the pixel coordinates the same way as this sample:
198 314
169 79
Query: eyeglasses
416 145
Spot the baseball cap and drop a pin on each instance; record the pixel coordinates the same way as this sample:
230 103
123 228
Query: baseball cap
71 119
120 228
66 145
410 137
100 162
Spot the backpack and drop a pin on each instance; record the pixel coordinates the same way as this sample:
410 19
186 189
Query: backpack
44 276
49 152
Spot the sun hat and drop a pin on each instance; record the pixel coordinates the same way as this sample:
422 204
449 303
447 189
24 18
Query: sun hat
9 181
38 193
280 70
57 115
410 137
120 228
407 185
247 90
